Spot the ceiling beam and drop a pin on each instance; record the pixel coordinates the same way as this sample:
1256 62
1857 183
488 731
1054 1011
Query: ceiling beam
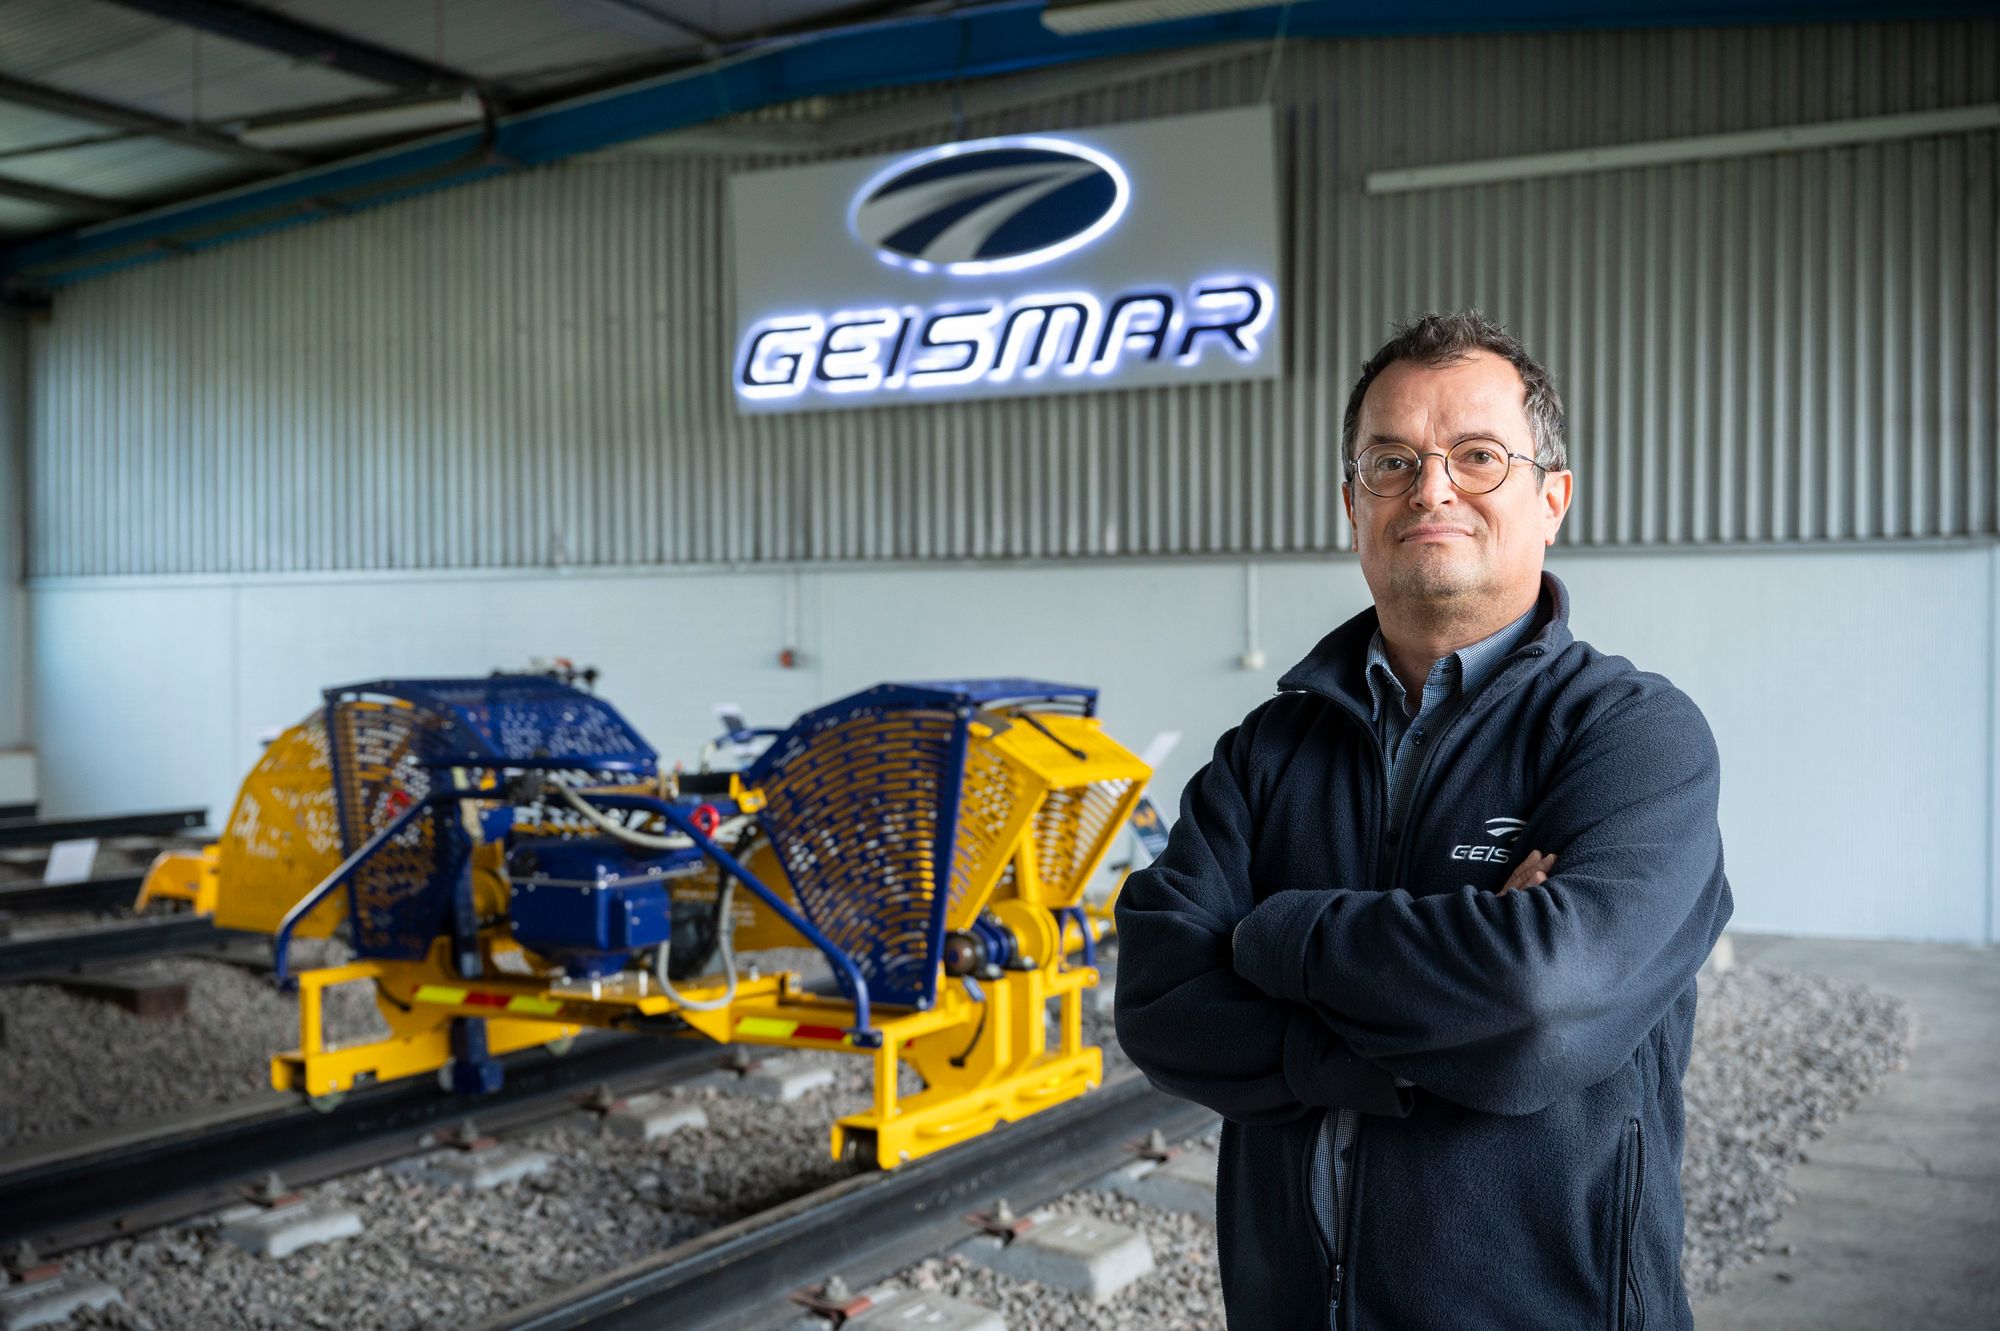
651 21
90 205
79 107
254 25
976 40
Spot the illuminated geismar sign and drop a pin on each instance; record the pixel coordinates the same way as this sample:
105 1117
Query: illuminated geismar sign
1061 334
1060 262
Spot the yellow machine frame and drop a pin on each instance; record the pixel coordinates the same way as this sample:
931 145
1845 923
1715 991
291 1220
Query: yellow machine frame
1053 792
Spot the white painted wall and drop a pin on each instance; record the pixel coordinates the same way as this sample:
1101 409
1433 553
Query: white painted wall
1852 693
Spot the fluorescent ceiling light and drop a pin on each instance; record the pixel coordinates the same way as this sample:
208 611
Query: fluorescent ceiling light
1093 15
380 121
1695 148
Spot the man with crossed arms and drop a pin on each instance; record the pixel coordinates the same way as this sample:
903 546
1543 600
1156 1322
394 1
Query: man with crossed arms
1426 931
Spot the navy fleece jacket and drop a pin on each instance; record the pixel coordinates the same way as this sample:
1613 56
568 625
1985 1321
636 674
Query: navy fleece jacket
1529 1176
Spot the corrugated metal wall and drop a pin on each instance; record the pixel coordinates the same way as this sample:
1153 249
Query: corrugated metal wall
534 371
13 603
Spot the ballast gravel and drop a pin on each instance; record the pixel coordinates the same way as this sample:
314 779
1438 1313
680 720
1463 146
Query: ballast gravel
1182 1293
440 1257
1777 1056
76 1063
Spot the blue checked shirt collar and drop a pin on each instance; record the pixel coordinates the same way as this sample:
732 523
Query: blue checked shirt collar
1456 675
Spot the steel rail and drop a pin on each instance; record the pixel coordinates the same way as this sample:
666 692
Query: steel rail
867 1226
47 831
65 951
87 894
125 1181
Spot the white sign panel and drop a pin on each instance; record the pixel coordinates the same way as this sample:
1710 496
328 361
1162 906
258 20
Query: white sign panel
70 861
1120 257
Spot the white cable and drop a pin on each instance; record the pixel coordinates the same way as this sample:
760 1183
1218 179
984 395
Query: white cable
647 841
631 837
722 933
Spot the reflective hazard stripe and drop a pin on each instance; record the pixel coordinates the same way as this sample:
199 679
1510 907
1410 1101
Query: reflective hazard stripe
526 1004
770 1028
775 1028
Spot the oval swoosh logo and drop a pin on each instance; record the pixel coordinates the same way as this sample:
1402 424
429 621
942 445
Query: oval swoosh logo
995 205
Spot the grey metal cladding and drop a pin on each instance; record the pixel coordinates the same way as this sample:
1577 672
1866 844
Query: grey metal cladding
1795 347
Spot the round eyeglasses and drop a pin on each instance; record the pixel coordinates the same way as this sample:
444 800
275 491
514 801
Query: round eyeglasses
1475 466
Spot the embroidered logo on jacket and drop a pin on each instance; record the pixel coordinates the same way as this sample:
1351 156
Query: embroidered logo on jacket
1501 830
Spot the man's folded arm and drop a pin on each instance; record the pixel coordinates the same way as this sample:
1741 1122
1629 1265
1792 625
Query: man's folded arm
1505 1002
1195 1027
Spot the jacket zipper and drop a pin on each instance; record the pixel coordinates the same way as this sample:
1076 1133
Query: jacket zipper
1424 769
1628 1284
1343 1173
1342 1123
1308 1160
1343 1178
1343 1194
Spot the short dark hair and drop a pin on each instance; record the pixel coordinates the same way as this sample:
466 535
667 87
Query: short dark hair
1442 339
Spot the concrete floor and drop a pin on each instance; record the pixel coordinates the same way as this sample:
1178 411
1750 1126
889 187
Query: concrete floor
1897 1222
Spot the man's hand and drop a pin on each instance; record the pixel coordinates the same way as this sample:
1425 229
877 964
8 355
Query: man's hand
1532 871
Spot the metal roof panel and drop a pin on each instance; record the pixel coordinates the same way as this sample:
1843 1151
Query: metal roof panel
30 127
19 217
101 50
489 39
136 169
37 36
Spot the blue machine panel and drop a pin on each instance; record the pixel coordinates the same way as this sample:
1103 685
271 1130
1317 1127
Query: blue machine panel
589 905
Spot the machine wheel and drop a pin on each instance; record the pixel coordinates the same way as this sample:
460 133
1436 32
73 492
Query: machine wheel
857 1147
327 1103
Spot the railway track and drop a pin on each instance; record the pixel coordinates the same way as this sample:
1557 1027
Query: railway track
109 893
737 1277
48 831
53 953
740 1276
126 1181
56 953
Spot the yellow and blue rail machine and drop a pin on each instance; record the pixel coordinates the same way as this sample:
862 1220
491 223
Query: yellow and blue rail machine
510 864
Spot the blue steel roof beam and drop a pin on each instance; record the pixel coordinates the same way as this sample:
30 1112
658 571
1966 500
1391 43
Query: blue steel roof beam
970 42
254 25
